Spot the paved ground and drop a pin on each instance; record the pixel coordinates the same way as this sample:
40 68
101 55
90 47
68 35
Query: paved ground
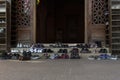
81 69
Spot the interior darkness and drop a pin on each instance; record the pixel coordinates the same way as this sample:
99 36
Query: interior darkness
60 21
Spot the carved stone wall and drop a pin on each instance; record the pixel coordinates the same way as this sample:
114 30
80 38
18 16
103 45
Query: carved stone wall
95 31
23 21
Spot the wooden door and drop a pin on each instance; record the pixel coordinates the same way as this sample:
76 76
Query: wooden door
74 31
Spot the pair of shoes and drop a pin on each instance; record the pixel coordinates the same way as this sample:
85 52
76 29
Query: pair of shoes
102 50
47 51
63 51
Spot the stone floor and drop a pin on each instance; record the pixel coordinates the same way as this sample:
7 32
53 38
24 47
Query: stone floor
81 69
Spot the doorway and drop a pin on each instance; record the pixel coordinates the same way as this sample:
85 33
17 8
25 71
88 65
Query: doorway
61 21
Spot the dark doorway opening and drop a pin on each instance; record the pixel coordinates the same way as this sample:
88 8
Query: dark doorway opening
60 21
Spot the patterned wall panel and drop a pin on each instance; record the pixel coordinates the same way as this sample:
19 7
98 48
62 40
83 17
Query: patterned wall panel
96 19
23 13
22 21
98 10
